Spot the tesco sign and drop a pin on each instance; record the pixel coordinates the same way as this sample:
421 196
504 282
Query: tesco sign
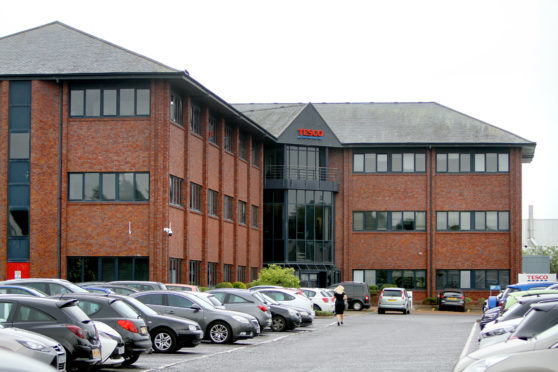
311 133
536 278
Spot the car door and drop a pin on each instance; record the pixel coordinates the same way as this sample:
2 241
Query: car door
237 303
156 301
181 306
36 320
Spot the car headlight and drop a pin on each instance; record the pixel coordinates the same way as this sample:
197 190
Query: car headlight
498 331
483 364
240 319
192 327
292 312
305 313
34 345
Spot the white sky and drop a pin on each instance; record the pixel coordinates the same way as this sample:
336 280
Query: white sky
496 61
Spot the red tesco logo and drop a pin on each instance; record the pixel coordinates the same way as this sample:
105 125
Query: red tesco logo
311 132
537 277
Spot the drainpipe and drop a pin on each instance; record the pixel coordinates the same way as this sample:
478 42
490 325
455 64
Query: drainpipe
430 226
60 179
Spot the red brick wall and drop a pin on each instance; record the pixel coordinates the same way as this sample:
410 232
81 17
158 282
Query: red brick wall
4 127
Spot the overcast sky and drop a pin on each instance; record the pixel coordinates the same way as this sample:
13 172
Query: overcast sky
496 61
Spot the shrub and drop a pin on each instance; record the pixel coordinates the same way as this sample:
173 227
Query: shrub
480 301
239 285
387 286
430 301
277 275
468 300
203 289
324 313
373 289
224 285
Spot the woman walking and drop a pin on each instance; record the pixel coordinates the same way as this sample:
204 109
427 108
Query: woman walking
340 298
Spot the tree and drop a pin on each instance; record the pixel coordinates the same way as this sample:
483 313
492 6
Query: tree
277 275
551 252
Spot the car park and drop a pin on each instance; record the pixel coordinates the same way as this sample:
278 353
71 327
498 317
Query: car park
321 301
50 287
141 285
120 316
219 326
451 299
394 299
358 294
33 345
283 318
20 289
244 301
59 319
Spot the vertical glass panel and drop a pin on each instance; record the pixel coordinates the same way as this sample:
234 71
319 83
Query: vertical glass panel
396 278
92 102
453 162
465 279
126 102
126 186
504 278
20 118
480 221
408 162
358 221
18 172
310 251
480 279
309 197
319 224
441 220
420 279
90 269
142 107
76 186
319 252
370 163
453 221
109 186
291 196
358 276
141 268
491 221
382 220
420 162
420 221
142 186
408 279
381 277
491 162
441 279
328 252
396 162
327 223
503 220
267 253
278 221
19 145
370 277
491 277
408 220
503 163
479 162
396 221
125 268
74 269
292 221
465 162
91 186
18 222
108 269
18 195
300 251
76 103
453 279
279 251
300 197
370 221
327 197
300 219
465 221
382 162
441 162
358 163
109 102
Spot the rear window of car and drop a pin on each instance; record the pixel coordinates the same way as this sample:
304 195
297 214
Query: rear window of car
75 313
124 309
392 292
535 322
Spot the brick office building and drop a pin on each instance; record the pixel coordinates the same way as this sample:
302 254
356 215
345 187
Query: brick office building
123 148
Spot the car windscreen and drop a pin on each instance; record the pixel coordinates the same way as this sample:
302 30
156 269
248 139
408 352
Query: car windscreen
515 311
535 322
392 293
124 309
141 306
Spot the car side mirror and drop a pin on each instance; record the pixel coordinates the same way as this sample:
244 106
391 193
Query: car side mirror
195 307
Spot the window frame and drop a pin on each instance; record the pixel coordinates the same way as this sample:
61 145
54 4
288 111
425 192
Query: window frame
73 177
389 161
99 112
473 161
175 190
196 119
196 195
213 203
369 226
474 224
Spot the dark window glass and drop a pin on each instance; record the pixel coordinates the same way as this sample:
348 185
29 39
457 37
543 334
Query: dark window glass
18 222
213 129
229 138
212 202
176 114
196 119
254 216
382 220
175 190
408 220
242 145
195 196
396 221
370 220
242 212
142 187
228 208
125 268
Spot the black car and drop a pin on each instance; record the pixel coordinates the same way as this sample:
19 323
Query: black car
283 318
59 319
168 333
358 294
489 316
118 315
451 299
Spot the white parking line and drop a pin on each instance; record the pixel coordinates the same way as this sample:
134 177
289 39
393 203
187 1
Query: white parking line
468 343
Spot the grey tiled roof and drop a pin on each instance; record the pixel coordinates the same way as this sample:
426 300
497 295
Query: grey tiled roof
58 49
387 123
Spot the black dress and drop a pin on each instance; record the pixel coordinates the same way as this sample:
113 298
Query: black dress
339 302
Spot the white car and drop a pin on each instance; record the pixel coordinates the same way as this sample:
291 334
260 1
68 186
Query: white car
112 345
537 360
498 332
321 300
290 298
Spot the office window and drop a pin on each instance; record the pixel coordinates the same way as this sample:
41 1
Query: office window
242 145
213 129
228 208
466 162
476 221
472 279
176 111
229 138
195 272
242 273
19 146
95 268
175 190
108 186
389 221
212 202
175 270
196 119
409 279
227 273
255 216
407 162
211 274
242 212
255 153
195 197
109 99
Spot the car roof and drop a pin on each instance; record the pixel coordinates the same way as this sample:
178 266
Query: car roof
537 298
532 292
527 285
49 301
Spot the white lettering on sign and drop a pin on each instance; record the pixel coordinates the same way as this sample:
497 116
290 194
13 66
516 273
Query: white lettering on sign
536 278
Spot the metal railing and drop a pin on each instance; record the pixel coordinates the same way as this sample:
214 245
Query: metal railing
301 173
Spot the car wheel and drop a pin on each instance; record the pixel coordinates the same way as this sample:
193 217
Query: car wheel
130 359
164 341
278 324
381 311
357 306
317 308
220 333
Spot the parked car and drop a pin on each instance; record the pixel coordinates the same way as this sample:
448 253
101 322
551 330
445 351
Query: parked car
514 297
536 360
219 326
22 363
451 299
358 294
244 301
321 301
537 331
20 289
59 319
33 345
141 285
182 287
112 345
98 290
210 298
283 318
118 315
298 302
168 333
394 299
116 288
50 287
498 300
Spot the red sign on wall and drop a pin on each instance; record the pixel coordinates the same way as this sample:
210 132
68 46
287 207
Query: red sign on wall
311 133
18 270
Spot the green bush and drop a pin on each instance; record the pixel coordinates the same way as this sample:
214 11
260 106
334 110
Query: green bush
239 285
468 300
324 313
387 286
224 285
373 289
430 301
203 289
277 275
480 301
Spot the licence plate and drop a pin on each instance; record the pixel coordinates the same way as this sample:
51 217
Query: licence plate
452 298
258 330
61 358
143 330
96 353
121 350
390 300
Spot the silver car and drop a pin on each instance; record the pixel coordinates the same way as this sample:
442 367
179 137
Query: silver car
33 345
244 301
219 326
394 299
